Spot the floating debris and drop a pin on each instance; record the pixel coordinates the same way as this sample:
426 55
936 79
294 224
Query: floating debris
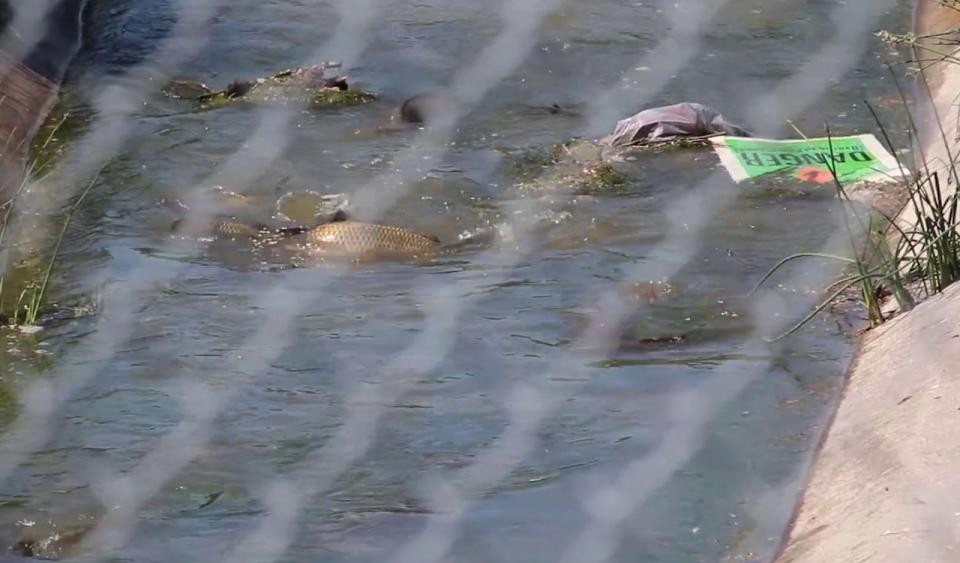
302 86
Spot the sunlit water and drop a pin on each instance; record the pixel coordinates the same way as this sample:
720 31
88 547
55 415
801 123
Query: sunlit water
734 496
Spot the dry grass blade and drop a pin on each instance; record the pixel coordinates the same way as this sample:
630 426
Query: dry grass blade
36 291
34 307
875 265
792 257
823 304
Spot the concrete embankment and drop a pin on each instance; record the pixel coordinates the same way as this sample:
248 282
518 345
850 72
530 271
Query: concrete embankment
885 485
33 61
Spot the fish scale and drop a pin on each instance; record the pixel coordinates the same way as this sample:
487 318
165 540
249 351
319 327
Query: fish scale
356 238
348 239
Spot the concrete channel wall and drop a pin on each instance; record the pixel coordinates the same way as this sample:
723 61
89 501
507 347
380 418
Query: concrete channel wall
885 485
31 70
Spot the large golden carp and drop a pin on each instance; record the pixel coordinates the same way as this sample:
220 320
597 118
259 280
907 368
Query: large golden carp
341 238
368 240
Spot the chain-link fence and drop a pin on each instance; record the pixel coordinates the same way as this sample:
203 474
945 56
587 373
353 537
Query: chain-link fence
235 336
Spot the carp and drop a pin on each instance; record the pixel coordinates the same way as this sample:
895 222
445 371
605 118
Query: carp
339 237
344 239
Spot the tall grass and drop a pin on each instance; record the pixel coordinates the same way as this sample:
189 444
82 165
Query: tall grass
905 261
32 308
872 268
30 298
938 263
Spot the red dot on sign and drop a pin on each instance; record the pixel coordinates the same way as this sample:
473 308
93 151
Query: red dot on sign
814 175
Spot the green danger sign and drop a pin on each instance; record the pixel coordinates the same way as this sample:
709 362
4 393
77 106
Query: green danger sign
855 158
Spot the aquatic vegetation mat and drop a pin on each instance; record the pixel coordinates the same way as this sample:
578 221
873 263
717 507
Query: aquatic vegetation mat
302 86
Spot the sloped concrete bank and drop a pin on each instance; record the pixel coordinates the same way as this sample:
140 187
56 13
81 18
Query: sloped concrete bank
33 61
885 484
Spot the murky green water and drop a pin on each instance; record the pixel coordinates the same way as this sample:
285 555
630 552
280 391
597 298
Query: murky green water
732 499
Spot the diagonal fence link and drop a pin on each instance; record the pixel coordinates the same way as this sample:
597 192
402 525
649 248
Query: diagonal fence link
116 103
852 21
24 32
116 106
640 478
316 475
183 445
687 217
656 68
277 530
35 426
268 142
343 449
359 430
355 437
492 65
125 495
528 406
610 505
352 35
111 527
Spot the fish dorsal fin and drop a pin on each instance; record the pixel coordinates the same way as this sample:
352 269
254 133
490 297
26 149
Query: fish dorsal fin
434 238
338 216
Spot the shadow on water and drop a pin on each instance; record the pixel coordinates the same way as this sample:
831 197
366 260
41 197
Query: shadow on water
690 331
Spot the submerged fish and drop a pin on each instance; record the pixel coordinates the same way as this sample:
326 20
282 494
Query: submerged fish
231 228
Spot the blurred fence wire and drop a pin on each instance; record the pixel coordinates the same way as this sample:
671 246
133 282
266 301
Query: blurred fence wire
24 32
125 495
642 82
527 405
263 347
44 397
116 102
532 404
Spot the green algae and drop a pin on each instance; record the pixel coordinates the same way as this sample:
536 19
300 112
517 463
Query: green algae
543 156
287 87
334 97
61 126
317 98
27 270
576 166
9 407
603 176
